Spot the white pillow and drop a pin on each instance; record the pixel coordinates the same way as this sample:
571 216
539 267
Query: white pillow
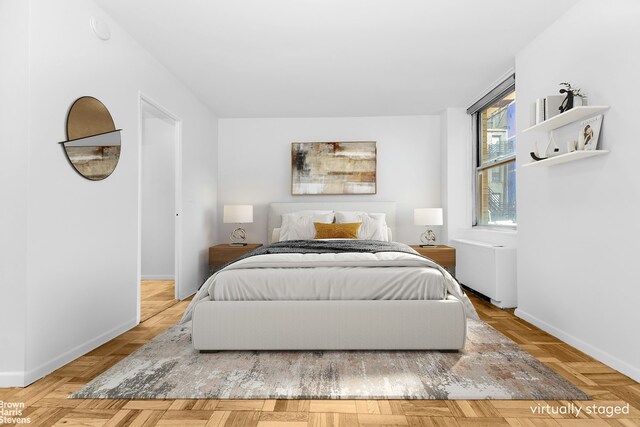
310 212
374 225
275 235
299 225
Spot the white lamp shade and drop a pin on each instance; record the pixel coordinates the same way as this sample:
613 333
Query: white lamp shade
238 214
427 216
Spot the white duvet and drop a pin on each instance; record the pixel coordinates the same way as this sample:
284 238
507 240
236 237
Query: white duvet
328 283
331 276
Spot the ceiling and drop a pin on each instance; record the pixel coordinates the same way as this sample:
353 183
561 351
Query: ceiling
329 58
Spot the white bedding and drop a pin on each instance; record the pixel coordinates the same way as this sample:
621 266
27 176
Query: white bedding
328 283
300 276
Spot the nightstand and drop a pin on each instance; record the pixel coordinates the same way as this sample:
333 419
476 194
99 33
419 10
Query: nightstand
443 255
219 255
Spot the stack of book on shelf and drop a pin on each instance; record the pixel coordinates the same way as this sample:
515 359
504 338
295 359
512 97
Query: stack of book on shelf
545 108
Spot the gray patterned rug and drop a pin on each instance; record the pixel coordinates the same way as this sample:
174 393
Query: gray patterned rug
490 367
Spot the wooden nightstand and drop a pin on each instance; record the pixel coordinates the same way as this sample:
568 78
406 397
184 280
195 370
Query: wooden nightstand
219 255
443 255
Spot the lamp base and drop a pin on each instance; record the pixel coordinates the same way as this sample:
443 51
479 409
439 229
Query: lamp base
428 238
238 237
428 246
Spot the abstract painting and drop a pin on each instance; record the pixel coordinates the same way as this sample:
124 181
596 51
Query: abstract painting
333 168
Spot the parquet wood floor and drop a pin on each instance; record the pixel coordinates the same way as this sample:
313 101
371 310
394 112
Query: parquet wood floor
155 297
47 404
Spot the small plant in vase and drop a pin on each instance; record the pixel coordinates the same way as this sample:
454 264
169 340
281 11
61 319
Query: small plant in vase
570 98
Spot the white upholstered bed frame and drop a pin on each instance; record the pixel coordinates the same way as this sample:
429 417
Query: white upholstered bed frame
329 325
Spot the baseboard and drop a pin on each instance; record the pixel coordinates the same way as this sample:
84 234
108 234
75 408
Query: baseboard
157 277
601 355
12 379
82 349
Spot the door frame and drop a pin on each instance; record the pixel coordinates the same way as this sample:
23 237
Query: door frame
145 99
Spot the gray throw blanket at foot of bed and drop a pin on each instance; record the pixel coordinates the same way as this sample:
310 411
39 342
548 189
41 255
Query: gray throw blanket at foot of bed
336 247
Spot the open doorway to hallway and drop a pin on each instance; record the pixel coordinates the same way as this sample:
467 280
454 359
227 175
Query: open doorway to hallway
159 208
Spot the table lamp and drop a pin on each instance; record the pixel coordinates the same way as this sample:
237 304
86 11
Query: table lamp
238 214
427 216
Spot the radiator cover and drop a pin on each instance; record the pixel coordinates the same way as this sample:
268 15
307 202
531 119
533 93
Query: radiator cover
487 269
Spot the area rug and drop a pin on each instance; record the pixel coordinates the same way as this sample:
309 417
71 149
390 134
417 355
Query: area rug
491 366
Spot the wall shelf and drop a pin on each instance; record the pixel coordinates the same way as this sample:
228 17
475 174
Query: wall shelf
567 157
563 119
104 139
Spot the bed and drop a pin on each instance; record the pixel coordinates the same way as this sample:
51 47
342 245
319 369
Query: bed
330 295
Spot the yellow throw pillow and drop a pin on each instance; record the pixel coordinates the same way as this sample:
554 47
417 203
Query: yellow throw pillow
337 231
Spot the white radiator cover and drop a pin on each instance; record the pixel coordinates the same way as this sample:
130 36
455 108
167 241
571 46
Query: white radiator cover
488 269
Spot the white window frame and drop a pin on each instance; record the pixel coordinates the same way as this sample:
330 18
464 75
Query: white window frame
507 86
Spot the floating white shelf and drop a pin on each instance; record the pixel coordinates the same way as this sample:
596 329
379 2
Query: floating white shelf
563 119
567 157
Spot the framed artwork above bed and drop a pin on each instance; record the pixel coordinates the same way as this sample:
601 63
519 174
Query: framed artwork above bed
333 167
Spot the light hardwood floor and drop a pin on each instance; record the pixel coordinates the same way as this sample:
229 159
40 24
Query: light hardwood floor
47 402
155 297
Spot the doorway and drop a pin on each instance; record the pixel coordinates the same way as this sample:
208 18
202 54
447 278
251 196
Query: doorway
158 206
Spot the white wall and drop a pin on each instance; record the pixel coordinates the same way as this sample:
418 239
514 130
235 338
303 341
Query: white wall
255 164
456 159
81 249
578 223
14 143
158 198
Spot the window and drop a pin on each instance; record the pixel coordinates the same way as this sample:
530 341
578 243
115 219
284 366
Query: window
494 119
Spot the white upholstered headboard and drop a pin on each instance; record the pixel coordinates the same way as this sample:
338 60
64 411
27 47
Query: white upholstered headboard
277 209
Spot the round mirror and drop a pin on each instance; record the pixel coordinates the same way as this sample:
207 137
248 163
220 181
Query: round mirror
93 142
